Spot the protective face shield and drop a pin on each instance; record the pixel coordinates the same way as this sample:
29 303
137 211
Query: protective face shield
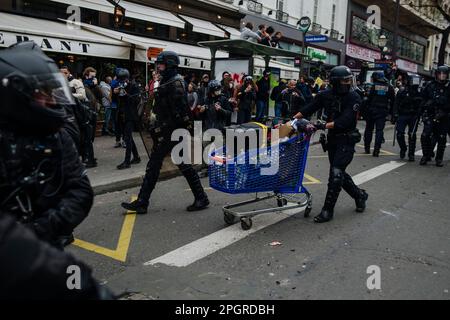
161 67
44 90
344 86
441 76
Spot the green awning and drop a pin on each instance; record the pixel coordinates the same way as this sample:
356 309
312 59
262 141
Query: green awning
247 48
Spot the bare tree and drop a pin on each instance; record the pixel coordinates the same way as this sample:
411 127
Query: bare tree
442 8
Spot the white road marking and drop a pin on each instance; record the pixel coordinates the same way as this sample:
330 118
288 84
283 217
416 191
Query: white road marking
199 249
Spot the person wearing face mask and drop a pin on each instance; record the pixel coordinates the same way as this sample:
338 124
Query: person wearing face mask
217 111
292 99
172 112
203 90
246 97
435 115
43 184
341 105
128 100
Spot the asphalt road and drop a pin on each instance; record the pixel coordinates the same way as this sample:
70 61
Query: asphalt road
405 231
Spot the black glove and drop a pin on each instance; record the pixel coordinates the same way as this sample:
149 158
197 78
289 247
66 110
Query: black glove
321 125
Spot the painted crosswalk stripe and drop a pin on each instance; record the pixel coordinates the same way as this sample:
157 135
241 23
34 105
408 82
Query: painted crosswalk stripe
199 249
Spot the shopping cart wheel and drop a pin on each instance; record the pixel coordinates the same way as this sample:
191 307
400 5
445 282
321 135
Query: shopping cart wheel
282 202
246 223
229 219
308 212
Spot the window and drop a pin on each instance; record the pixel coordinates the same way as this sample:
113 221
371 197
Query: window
280 5
316 10
369 37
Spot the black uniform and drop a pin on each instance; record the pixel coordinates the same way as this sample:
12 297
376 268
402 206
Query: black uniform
214 119
33 270
293 102
381 98
42 181
406 111
172 112
436 111
342 110
128 101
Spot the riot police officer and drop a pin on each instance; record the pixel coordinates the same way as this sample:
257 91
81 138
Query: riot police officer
341 105
435 117
406 114
172 112
33 270
42 181
381 98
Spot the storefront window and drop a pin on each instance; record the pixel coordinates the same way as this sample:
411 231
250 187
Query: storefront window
41 8
332 59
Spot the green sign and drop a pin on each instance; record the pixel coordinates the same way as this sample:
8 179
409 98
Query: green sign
317 54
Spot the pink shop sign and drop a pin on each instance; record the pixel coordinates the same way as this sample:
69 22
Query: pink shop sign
362 53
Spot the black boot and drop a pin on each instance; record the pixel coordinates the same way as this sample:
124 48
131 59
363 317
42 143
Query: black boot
328 209
123 166
367 149
424 161
412 148
356 193
136 160
361 201
403 153
324 216
137 206
376 152
199 205
201 199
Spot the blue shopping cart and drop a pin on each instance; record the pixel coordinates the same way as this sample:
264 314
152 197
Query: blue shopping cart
245 174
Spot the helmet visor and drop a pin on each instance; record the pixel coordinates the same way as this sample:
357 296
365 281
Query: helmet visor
50 90
441 76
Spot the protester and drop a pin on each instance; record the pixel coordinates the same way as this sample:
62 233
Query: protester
293 100
105 87
203 89
267 40
262 96
246 98
275 41
248 34
278 98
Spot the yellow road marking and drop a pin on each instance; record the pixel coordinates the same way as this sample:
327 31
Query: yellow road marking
121 251
311 179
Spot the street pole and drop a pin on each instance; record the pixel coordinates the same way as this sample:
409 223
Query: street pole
303 53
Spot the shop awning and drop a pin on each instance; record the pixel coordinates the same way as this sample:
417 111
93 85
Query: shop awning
133 10
234 33
202 26
192 57
54 36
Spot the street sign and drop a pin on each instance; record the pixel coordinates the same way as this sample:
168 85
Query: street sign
304 24
312 39
153 53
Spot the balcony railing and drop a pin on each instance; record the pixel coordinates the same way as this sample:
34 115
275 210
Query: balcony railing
255 6
282 16
228 1
334 34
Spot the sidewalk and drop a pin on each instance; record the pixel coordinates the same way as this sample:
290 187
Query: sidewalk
106 178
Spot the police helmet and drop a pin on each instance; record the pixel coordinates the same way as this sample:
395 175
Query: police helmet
214 85
169 58
339 74
34 92
442 73
123 74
